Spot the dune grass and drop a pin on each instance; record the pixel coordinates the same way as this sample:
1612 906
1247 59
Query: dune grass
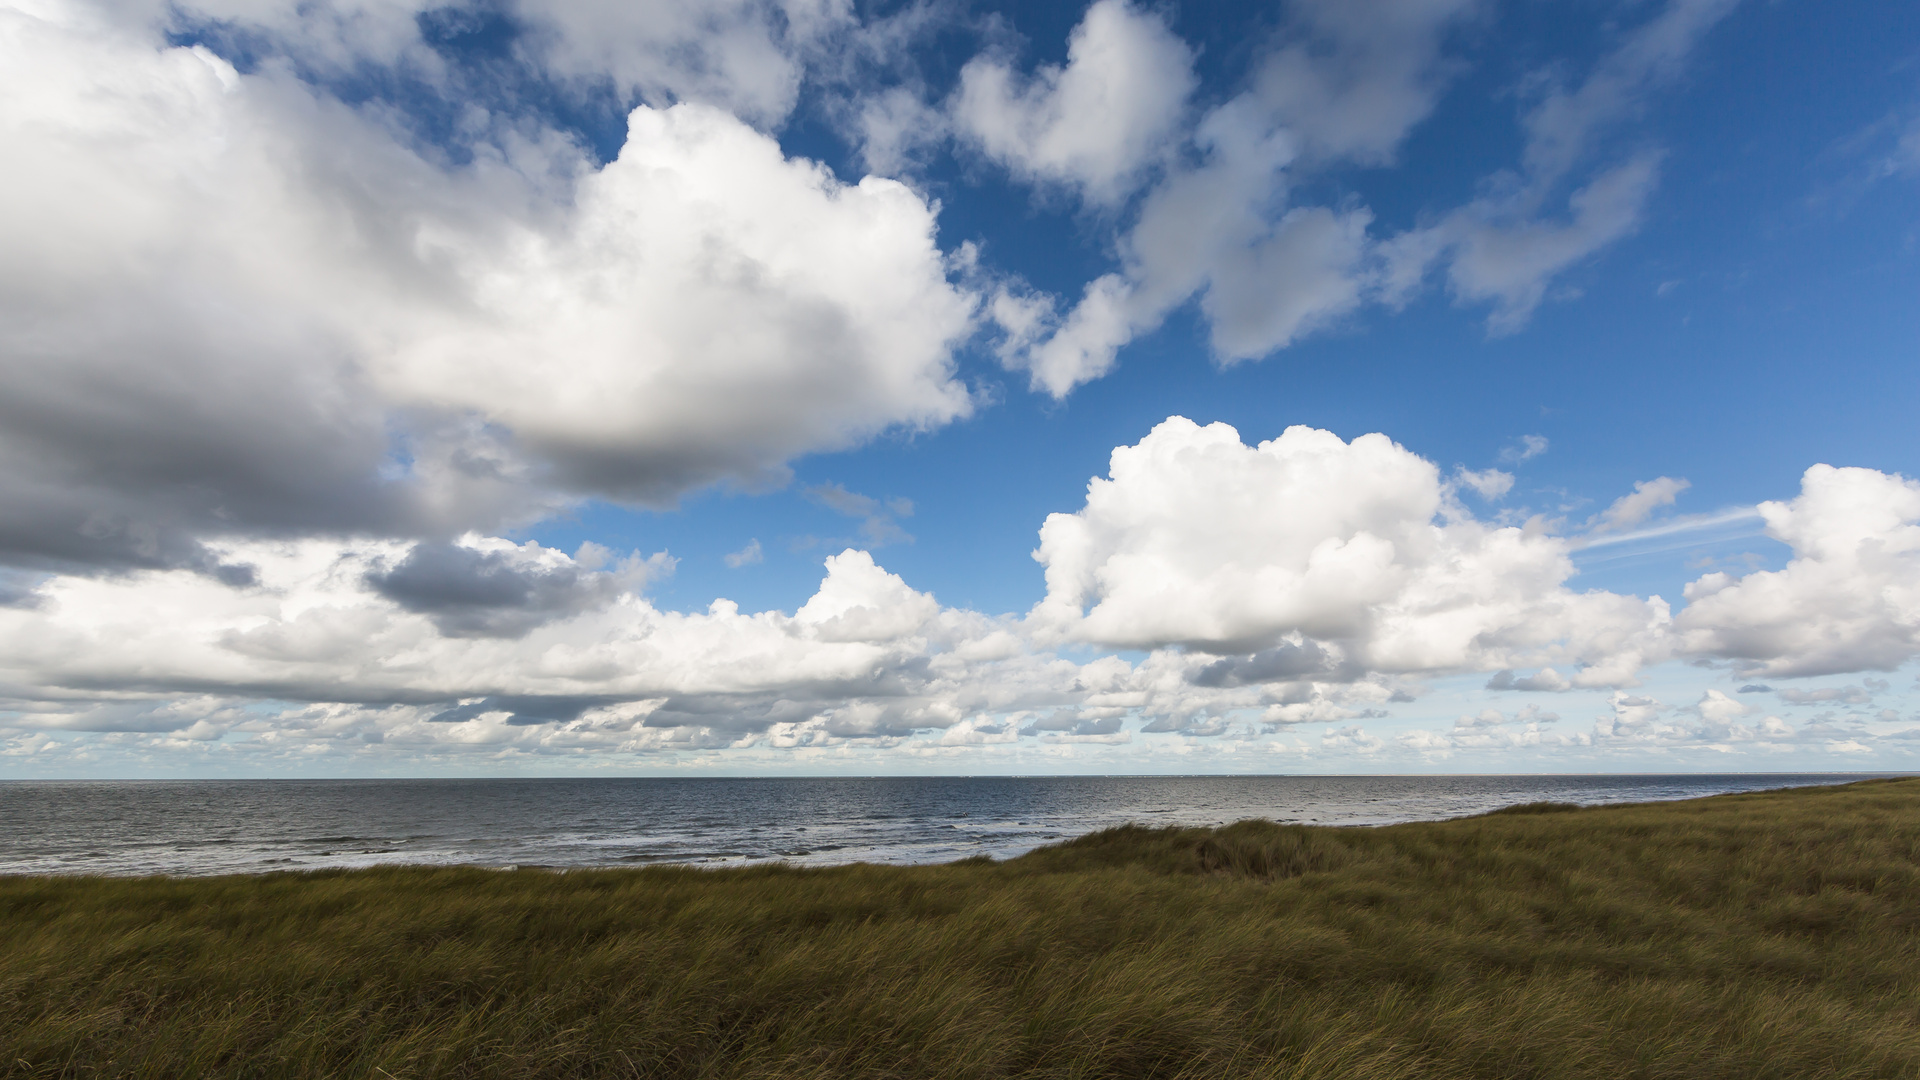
1762 935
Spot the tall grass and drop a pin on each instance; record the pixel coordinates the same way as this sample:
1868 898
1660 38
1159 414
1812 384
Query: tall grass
1762 935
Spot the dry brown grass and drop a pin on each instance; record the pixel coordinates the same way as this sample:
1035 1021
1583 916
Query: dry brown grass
1763 935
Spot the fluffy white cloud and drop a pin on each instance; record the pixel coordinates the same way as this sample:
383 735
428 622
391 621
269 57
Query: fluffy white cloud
1346 83
230 304
1849 600
1309 558
484 643
708 308
1083 347
1717 723
1096 123
1345 557
482 626
1263 279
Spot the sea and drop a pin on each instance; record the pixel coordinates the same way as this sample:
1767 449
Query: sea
193 827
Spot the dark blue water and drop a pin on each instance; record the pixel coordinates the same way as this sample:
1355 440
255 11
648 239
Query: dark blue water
245 826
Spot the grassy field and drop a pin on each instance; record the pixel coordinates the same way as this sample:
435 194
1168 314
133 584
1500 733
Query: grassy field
1764 935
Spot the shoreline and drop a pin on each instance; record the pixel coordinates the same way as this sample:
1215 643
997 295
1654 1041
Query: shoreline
248 827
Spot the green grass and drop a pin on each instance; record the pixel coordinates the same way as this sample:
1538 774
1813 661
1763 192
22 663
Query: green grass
1763 935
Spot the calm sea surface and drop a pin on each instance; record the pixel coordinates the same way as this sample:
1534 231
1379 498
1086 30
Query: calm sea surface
213 827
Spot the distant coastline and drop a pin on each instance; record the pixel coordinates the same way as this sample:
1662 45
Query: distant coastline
224 826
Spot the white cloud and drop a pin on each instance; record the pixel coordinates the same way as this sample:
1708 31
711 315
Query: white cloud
718 308
1352 78
1635 718
1351 739
1098 122
490 644
1503 248
1269 290
1720 710
1529 447
893 127
1562 127
1721 725
522 638
232 305
1340 549
1546 680
1845 695
1504 252
1487 483
1347 82
1905 157
746 56
1311 558
1849 600
1490 729
859 601
1263 280
1300 581
1630 510
750 555
879 524
1083 348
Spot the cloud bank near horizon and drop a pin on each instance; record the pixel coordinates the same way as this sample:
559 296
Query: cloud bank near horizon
1305 579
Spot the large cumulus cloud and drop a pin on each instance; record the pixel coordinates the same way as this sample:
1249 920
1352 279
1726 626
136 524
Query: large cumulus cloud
1849 600
232 305
1310 554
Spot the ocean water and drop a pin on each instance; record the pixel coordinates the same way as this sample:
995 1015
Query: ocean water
251 826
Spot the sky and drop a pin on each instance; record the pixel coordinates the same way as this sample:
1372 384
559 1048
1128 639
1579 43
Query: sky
756 387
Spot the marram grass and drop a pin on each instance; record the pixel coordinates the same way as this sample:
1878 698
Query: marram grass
1762 935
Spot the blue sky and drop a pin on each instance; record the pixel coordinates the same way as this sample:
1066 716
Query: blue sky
337 331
